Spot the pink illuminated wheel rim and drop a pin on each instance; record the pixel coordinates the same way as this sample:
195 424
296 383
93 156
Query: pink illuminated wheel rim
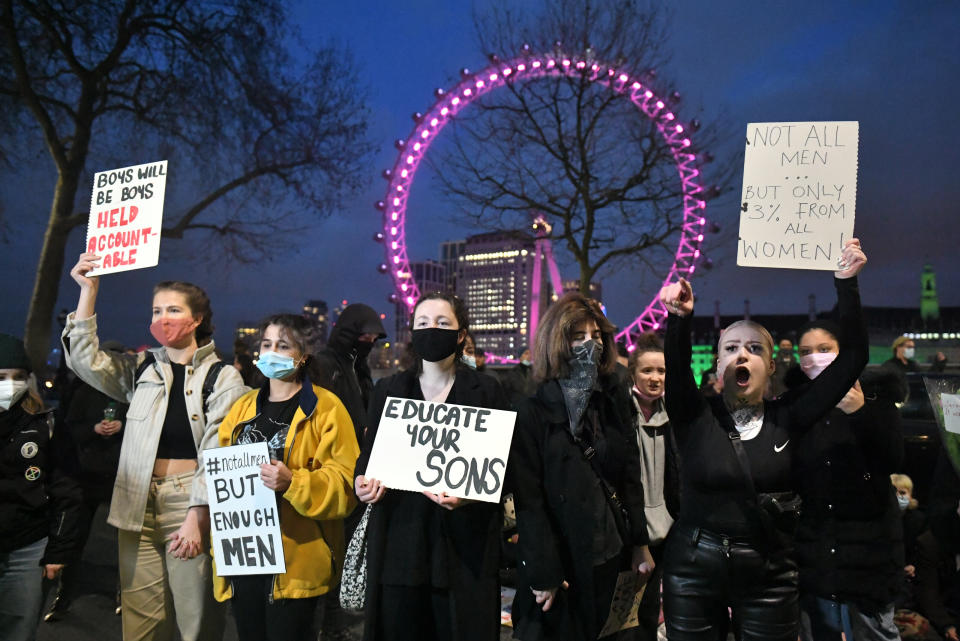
530 67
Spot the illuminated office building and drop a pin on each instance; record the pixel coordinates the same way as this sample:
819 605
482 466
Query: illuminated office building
450 259
495 277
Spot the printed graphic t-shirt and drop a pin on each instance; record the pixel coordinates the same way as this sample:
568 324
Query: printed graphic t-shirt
270 426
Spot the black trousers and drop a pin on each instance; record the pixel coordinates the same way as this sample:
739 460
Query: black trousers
259 619
706 573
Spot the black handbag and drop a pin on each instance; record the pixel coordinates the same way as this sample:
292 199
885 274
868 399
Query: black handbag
777 512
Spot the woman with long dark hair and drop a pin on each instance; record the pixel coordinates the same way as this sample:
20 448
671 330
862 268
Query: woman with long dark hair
313 449
432 559
178 394
849 540
732 544
575 472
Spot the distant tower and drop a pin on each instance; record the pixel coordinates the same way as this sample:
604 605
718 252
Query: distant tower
929 305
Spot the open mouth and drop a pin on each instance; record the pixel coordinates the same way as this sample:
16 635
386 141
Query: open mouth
742 374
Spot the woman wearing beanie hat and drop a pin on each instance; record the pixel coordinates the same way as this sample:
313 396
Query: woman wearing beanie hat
39 502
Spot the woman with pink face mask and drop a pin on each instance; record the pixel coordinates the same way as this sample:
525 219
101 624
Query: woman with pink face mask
849 543
178 395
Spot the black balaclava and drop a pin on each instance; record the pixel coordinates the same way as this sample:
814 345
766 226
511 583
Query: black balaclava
356 319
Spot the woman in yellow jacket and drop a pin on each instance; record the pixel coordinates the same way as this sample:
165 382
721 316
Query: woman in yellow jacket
313 450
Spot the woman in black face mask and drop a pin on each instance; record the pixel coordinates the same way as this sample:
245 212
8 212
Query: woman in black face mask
431 559
575 470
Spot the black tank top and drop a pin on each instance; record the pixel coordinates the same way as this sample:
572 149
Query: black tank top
176 437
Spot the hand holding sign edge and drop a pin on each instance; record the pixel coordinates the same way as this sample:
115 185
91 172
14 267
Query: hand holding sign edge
368 489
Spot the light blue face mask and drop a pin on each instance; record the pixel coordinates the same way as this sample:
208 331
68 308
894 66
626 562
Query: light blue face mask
275 365
469 361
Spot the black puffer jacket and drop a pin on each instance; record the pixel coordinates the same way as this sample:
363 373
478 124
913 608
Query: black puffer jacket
38 497
850 540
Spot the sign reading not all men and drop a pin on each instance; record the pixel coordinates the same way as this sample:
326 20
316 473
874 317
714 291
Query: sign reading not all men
442 448
244 522
126 213
799 194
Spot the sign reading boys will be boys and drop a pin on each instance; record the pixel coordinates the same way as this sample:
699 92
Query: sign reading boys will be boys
244 523
440 447
126 212
799 194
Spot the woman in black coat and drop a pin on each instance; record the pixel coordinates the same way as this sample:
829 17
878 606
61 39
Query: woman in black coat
731 545
849 541
573 447
432 559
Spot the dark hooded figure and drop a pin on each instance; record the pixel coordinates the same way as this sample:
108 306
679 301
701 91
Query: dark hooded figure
342 364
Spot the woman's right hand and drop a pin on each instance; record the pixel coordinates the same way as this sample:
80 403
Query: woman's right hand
79 272
678 298
545 597
369 490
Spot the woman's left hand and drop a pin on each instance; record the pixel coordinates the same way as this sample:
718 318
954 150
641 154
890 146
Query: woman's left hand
187 542
52 570
852 259
642 564
275 475
447 502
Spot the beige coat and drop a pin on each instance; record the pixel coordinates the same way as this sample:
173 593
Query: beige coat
113 374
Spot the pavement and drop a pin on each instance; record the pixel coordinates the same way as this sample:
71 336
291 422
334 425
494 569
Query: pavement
91 616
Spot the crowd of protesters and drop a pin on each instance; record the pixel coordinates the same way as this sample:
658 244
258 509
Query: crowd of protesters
764 503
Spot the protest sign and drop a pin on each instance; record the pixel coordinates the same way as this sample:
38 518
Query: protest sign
625 604
244 523
944 393
951 412
439 447
126 212
799 194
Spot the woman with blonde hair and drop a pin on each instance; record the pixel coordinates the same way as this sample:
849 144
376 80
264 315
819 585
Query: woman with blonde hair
575 471
732 544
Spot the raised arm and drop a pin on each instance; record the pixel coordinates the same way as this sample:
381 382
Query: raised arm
681 395
826 390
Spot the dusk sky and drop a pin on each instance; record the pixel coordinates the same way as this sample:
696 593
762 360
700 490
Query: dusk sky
893 66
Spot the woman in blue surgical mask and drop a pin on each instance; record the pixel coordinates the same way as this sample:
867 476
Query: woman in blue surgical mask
575 470
849 543
313 449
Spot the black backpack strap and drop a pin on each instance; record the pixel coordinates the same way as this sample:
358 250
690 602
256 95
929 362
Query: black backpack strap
147 361
210 381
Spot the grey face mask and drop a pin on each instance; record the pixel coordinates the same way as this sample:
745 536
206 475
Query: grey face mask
578 386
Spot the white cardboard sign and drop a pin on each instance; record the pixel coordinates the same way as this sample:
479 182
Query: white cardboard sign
951 412
799 194
126 213
244 521
440 447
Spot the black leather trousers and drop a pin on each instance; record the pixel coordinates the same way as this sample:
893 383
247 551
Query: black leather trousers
708 574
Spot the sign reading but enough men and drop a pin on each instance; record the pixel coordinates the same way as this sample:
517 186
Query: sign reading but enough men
244 523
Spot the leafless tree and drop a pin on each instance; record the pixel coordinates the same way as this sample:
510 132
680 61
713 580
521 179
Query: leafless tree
259 138
569 148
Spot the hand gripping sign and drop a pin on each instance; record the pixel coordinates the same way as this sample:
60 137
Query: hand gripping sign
442 448
244 522
126 213
799 194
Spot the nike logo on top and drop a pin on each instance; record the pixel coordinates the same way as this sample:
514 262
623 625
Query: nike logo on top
779 448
